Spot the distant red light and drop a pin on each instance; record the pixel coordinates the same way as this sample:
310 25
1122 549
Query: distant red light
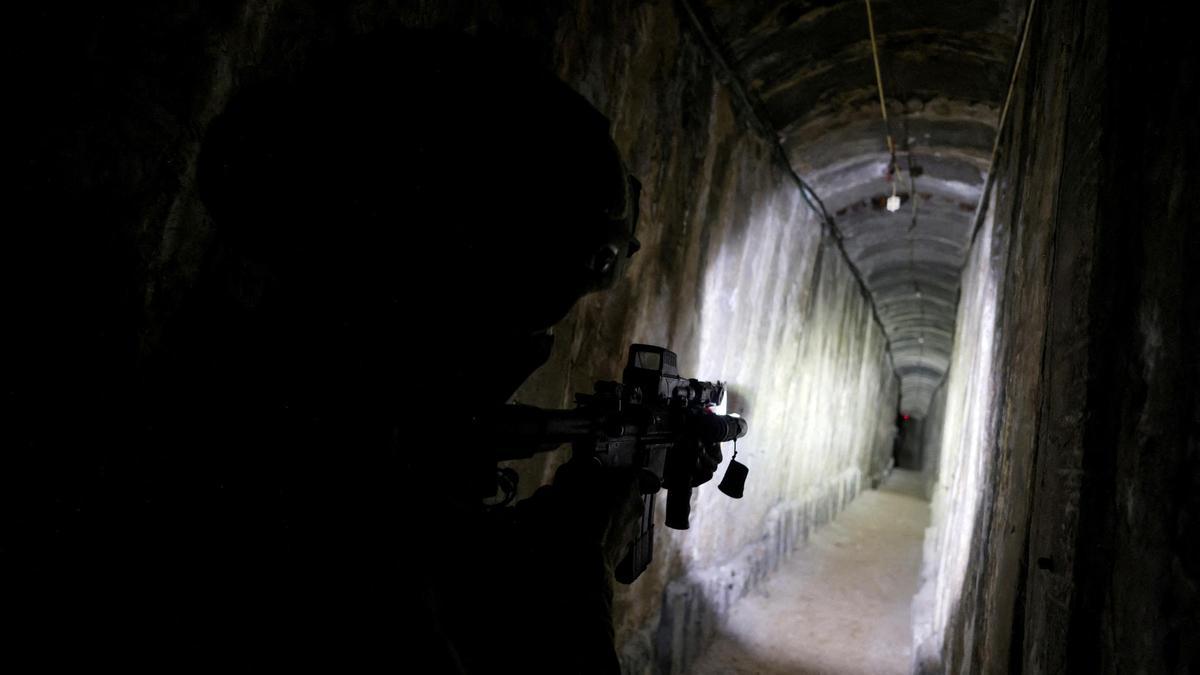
906 418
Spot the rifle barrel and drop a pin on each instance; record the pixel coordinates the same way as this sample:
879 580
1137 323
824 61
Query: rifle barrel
520 431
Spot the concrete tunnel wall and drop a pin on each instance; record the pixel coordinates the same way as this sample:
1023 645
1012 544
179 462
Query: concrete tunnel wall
1065 529
735 273
958 438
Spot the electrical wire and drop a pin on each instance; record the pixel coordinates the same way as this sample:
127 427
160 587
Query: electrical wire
912 178
989 182
887 129
980 209
734 81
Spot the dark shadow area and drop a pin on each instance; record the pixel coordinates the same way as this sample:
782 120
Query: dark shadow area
278 459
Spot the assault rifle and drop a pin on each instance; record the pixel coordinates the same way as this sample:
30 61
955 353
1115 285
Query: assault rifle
654 420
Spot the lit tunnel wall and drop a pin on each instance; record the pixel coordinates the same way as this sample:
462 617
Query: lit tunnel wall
959 437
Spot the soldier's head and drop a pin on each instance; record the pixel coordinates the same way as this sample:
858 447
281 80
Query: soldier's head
413 189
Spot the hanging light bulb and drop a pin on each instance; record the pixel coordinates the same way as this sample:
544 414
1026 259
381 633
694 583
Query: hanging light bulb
893 202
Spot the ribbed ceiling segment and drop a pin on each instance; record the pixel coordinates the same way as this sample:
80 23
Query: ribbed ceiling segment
945 65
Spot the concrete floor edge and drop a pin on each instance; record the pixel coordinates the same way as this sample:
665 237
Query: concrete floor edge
842 604
695 606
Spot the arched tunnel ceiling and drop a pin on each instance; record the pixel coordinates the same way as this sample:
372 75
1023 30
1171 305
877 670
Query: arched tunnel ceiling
807 66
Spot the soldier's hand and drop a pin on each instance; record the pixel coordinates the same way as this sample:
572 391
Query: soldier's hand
604 504
708 458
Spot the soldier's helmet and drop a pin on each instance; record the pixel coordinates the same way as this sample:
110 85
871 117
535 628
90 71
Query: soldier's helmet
434 175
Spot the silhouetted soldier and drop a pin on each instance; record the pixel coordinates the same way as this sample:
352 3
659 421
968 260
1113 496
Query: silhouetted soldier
397 227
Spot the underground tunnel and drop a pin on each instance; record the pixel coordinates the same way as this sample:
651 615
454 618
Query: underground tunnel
284 264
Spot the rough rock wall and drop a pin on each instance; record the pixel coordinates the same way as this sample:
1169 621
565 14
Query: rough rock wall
1083 553
735 274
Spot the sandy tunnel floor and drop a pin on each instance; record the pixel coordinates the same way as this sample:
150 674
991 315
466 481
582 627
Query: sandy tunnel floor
841 604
